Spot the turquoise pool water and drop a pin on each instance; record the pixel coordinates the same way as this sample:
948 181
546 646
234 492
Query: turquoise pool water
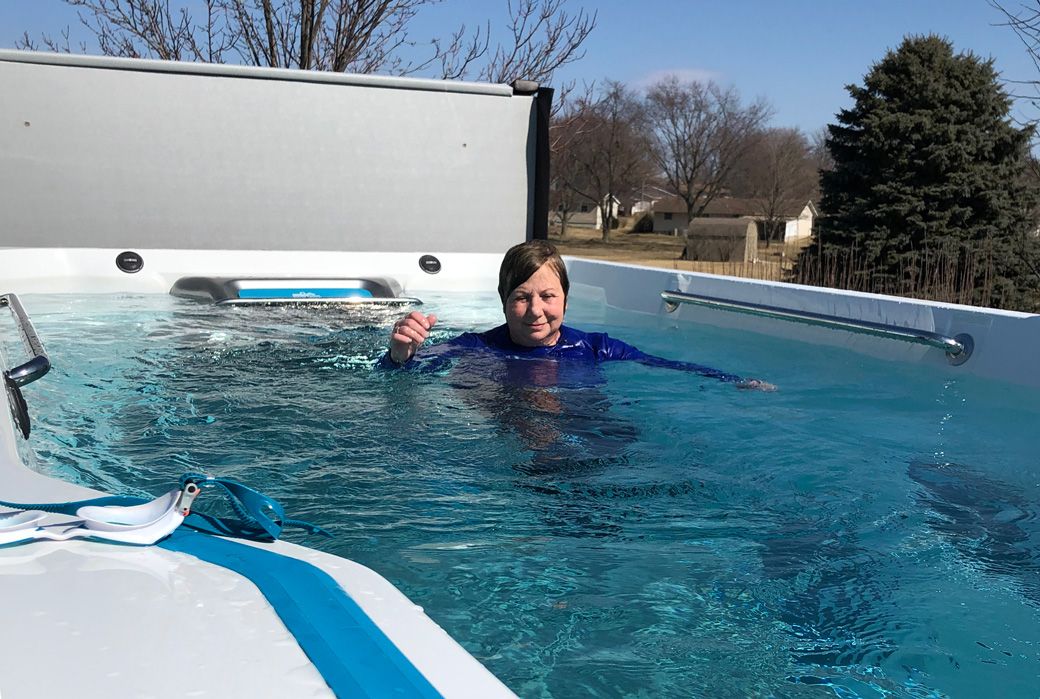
869 530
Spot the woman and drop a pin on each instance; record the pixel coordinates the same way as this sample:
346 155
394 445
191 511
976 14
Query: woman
533 286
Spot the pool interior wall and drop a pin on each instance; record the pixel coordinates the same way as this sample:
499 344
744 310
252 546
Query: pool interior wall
1005 342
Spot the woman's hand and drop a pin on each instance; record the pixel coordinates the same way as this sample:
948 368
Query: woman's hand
756 385
408 335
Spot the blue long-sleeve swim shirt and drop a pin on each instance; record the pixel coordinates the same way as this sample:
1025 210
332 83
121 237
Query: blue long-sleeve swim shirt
572 345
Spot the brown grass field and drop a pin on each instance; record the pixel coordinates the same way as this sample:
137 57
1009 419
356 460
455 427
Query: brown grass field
657 250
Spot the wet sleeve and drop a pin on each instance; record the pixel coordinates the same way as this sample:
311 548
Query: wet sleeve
617 350
387 364
710 372
428 361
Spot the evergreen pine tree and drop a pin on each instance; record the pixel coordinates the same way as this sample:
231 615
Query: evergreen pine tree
929 195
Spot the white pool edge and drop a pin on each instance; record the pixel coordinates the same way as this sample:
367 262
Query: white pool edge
449 668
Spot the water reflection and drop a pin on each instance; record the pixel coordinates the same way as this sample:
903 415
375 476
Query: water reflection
556 408
986 520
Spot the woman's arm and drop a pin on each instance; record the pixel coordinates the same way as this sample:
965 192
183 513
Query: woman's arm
612 349
738 381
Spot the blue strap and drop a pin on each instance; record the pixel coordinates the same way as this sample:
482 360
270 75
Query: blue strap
352 654
259 517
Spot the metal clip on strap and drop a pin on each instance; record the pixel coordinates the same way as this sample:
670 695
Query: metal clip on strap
259 517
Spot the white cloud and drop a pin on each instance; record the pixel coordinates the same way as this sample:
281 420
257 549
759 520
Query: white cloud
685 75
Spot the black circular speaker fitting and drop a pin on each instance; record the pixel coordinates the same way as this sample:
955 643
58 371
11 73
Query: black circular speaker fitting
429 264
129 262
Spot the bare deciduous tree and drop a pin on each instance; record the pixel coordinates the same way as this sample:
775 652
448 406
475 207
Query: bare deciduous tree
778 174
49 43
567 177
820 155
359 36
606 150
699 131
542 38
1025 22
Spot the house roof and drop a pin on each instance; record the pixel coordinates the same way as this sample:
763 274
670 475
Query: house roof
733 206
649 191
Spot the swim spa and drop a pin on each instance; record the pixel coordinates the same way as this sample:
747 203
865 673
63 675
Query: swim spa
867 530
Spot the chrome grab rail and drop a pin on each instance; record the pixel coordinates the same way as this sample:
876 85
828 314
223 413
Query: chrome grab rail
958 348
38 365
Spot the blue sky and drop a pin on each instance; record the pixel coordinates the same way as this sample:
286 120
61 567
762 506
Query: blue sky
798 54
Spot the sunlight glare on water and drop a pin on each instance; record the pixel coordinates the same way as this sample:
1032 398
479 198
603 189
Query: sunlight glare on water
869 530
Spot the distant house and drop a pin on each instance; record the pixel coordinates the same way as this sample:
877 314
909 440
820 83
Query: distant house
649 195
670 215
587 215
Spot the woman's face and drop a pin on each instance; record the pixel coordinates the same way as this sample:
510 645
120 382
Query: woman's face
534 310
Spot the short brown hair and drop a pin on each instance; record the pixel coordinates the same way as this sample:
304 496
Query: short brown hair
523 260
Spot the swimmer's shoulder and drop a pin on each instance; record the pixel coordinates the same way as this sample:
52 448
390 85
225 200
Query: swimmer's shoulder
496 337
